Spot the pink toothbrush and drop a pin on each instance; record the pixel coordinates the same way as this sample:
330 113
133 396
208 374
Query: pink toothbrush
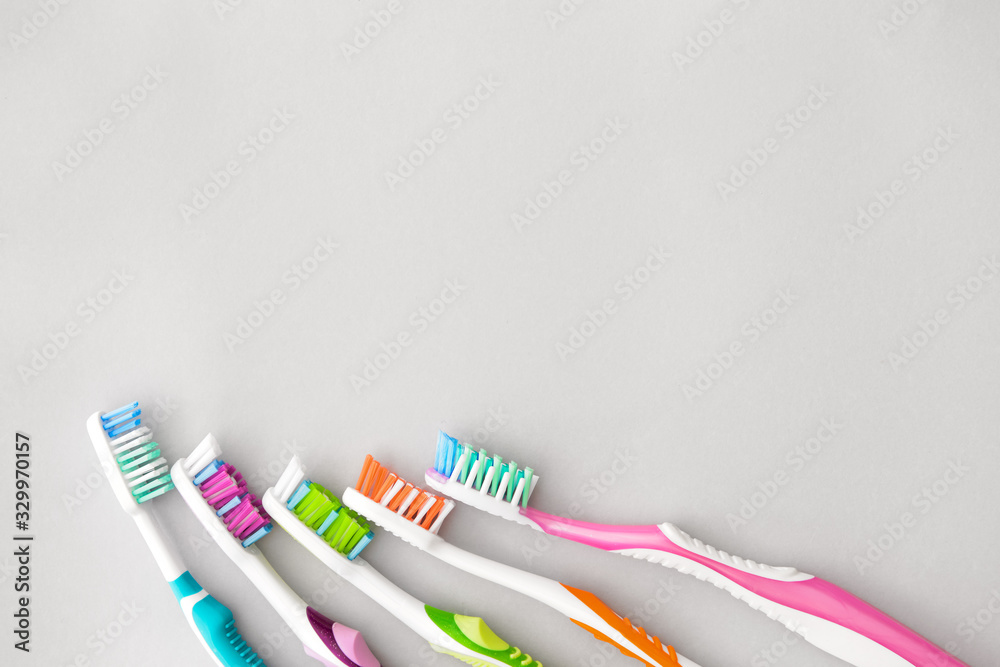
825 615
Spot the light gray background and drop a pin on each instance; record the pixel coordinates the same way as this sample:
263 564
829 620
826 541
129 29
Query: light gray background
288 387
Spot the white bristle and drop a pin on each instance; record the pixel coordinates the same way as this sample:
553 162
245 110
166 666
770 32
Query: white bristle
517 492
423 510
207 451
449 505
414 492
131 440
531 487
502 488
487 480
391 493
289 480
472 473
146 472
458 466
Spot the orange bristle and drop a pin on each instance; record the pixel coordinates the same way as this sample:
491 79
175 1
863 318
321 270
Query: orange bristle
364 471
384 488
415 506
432 513
400 497
379 478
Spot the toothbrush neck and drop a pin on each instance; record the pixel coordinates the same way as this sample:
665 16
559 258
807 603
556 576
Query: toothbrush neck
163 549
602 536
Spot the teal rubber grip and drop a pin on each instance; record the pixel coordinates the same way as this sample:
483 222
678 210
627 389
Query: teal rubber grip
216 625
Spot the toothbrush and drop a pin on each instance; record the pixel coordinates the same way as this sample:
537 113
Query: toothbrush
336 536
827 616
218 496
416 516
137 474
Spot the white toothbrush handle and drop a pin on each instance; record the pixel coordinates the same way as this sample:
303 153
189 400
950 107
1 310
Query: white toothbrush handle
163 549
582 607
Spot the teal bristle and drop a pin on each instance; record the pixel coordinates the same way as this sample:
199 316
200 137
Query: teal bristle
138 457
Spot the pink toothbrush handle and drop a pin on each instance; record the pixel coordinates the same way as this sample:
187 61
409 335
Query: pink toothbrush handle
826 615
345 643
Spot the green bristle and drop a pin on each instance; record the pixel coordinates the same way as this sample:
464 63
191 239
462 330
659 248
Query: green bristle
467 465
511 481
345 530
528 474
316 506
483 458
497 474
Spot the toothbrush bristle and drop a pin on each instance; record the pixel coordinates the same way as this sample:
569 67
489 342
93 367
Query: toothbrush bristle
225 490
138 457
412 503
483 472
342 528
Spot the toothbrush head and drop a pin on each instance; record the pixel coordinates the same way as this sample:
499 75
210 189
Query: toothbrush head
130 458
403 509
343 529
225 491
482 481
487 474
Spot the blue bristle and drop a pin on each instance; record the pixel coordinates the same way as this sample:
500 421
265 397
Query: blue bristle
124 428
449 462
108 416
328 521
442 443
360 546
261 532
114 423
208 471
233 502
299 494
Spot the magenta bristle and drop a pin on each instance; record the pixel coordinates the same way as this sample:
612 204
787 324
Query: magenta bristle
248 515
